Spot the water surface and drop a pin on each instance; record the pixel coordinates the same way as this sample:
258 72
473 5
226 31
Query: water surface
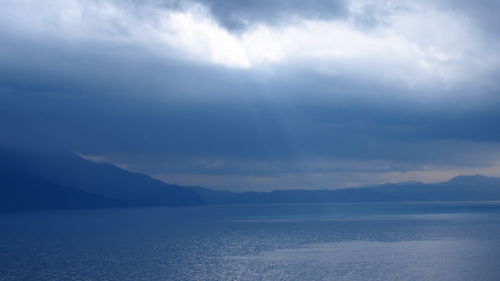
411 241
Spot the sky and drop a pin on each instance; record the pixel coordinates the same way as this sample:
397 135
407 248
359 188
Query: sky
257 94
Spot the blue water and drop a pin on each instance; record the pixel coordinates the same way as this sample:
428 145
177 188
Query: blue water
412 241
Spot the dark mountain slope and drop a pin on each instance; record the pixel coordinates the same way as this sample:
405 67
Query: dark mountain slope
24 191
71 171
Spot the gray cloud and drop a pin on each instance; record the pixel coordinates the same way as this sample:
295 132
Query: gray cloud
238 14
168 116
482 12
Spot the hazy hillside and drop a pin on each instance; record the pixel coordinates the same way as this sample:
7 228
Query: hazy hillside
292 196
65 180
24 191
52 174
462 188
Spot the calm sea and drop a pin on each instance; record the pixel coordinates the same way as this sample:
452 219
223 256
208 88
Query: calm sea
411 241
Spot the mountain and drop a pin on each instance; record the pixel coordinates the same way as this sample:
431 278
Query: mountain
461 188
66 177
292 196
59 180
24 191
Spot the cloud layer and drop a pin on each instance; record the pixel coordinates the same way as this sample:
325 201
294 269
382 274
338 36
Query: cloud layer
257 95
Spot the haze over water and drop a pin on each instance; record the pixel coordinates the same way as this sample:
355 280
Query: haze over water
410 241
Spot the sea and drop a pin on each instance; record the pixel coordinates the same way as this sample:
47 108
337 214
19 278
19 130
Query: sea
445 241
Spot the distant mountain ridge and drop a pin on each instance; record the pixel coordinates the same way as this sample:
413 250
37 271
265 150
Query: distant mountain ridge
57 178
21 191
461 188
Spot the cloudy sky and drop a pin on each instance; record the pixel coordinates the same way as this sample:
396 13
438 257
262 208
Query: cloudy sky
257 94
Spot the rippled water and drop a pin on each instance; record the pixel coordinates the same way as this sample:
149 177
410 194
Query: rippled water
414 241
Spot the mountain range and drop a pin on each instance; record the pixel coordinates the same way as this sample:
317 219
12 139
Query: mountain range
60 180
461 188
55 180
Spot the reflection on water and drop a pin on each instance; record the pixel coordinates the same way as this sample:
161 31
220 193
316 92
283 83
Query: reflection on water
362 260
439 241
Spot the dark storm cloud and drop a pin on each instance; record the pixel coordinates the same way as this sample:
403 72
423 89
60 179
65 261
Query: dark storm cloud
240 14
164 114
84 103
482 12
237 14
